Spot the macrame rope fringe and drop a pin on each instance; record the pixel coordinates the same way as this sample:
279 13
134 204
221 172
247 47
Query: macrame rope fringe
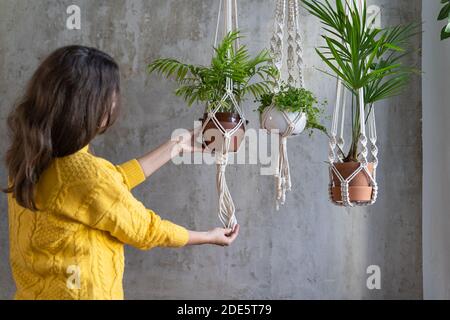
362 156
294 61
226 210
338 141
282 173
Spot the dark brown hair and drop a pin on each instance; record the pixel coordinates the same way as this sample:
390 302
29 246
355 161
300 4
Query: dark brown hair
72 96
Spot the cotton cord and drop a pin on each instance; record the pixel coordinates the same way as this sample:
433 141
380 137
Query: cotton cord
362 156
294 62
226 207
283 182
338 141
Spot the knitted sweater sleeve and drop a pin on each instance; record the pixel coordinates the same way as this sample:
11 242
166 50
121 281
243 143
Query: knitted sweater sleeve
132 173
104 202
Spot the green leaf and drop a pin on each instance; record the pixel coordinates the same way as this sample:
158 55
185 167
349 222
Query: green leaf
293 99
363 57
444 33
445 11
394 47
206 84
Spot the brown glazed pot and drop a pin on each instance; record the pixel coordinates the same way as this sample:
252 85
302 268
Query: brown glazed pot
213 137
359 188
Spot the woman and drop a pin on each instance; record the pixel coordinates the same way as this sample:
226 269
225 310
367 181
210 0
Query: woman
70 212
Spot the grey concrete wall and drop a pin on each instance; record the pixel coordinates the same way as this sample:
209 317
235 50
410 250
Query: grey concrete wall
310 248
436 156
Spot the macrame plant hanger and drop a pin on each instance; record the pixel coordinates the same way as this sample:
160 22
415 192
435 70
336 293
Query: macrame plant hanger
294 64
339 142
226 211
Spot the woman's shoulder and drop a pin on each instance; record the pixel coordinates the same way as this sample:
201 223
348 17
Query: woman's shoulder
80 171
81 166
75 169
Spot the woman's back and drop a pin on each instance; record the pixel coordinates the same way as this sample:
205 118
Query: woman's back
57 252
71 212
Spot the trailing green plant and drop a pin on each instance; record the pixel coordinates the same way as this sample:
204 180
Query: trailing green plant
207 84
293 99
444 14
362 56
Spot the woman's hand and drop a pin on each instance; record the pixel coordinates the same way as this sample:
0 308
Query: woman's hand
223 237
187 141
217 236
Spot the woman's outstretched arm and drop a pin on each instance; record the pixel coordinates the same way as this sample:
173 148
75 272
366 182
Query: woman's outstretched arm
155 159
99 200
219 236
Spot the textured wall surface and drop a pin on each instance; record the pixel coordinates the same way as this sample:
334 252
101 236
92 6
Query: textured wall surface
436 156
310 248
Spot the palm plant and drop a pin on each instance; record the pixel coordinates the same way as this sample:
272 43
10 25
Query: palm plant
362 57
207 84
444 14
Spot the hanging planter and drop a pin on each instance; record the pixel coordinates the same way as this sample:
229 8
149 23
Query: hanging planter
222 95
232 75
212 132
360 188
366 62
289 109
276 120
288 112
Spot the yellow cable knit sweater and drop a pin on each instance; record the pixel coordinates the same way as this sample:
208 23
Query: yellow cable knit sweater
72 248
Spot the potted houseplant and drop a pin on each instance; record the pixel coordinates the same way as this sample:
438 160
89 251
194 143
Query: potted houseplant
207 84
366 60
444 14
288 111
294 103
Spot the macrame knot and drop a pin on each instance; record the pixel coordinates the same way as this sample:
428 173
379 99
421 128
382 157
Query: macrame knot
291 127
221 160
363 138
286 23
226 210
333 139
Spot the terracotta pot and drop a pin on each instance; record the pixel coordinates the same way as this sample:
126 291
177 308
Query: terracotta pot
275 121
213 137
359 188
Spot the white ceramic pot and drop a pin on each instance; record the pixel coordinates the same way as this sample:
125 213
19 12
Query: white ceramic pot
275 120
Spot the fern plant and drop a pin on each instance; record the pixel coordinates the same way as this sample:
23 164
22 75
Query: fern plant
293 99
207 84
362 57
444 14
